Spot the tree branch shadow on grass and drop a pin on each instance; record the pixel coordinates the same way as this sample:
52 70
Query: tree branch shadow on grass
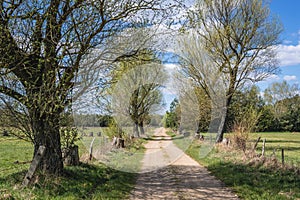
257 182
81 182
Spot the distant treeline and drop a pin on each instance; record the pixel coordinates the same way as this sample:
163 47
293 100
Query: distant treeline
272 115
95 120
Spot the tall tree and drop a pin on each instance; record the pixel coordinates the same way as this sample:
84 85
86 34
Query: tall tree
172 117
139 79
283 101
243 102
43 44
230 42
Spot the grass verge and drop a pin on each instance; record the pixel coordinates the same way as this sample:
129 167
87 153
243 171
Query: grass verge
86 181
179 140
249 181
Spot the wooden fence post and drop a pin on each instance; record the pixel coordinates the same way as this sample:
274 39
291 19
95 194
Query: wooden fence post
34 164
263 147
91 149
255 145
282 156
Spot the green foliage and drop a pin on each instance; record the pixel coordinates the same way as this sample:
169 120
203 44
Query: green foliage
140 77
244 126
282 109
104 120
113 130
267 121
172 118
69 136
245 105
204 103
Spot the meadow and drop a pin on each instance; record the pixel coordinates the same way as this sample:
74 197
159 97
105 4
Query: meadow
89 180
95 180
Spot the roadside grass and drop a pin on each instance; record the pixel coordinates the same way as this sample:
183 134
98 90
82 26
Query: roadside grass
290 142
86 181
179 140
255 181
126 160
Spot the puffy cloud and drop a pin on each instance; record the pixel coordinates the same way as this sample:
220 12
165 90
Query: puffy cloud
289 55
289 78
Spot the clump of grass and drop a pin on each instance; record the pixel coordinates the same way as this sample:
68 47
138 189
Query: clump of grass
171 133
249 180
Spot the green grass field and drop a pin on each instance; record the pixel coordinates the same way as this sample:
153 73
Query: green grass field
87 181
290 142
256 181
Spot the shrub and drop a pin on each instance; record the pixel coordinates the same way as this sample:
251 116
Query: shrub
243 126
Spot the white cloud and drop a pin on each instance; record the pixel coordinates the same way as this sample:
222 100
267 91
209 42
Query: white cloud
287 42
289 55
273 77
289 78
170 66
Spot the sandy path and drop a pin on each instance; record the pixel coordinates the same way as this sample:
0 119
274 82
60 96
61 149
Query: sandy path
168 173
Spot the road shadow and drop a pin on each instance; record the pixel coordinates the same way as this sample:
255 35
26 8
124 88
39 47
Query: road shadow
165 138
180 182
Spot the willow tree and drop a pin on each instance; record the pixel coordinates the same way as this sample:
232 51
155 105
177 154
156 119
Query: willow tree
134 89
230 43
43 44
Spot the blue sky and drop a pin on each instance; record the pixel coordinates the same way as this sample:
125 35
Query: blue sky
289 50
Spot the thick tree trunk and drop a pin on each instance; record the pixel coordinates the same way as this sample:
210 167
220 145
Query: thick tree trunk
136 130
220 133
46 133
223 117
142 130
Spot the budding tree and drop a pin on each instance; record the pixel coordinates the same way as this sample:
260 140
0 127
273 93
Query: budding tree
44 46
229 43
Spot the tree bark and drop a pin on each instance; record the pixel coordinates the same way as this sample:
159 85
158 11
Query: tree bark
46 132
221 128
142 130
136 130
223 117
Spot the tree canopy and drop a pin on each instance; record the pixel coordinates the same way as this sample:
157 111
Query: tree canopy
226 44
48 48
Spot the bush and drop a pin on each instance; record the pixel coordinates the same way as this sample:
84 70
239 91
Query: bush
70 153
114 130
243 127
69 136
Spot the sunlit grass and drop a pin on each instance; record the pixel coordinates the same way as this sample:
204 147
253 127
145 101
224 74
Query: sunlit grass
87 181
290 142
256 181
13 153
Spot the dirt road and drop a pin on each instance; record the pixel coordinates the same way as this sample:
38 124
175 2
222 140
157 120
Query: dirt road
168 173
